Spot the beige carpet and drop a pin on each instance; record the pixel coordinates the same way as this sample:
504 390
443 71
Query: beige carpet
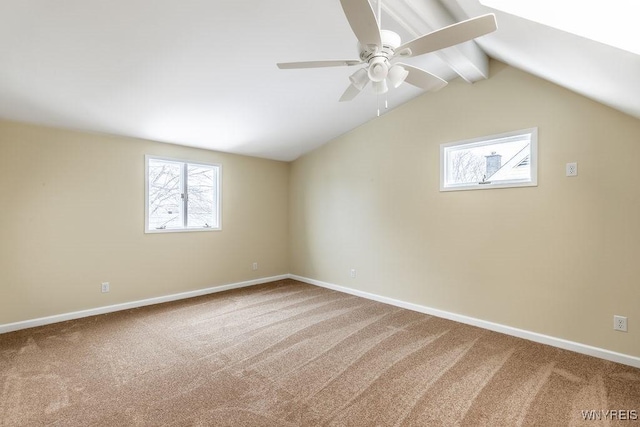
291 354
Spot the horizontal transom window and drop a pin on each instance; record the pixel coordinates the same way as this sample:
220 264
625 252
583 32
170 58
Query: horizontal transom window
498 161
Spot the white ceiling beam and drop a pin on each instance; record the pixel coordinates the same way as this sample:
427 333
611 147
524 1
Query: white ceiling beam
420 17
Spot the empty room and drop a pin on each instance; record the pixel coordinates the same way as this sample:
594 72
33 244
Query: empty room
319 213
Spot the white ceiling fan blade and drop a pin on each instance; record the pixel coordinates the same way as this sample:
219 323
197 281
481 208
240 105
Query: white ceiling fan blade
450 36
363 22
317 64
423 79
350 93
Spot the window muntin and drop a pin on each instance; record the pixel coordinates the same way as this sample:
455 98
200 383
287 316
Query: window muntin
498 161
181 196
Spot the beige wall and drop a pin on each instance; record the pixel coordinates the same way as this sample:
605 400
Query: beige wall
72 216
558 259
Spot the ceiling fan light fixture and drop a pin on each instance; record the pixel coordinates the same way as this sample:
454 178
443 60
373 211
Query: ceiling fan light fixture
397 75
378 69
360 78
380 87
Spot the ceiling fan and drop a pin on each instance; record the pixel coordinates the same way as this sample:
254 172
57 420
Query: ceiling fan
381 49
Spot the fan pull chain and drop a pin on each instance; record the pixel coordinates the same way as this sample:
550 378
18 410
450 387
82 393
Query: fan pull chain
386 103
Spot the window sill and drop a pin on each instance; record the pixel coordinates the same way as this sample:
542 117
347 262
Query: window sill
489 186
182 230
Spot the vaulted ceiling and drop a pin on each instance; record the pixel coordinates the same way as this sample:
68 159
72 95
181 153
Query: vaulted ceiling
202 73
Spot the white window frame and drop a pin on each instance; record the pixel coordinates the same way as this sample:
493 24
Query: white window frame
488 140
185 163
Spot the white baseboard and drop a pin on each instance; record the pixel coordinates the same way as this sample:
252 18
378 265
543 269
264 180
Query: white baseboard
508 330
10 327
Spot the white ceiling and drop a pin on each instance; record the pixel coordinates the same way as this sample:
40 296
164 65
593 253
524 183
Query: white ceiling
202 73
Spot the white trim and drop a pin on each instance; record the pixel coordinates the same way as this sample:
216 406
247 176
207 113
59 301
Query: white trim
10 327
508 330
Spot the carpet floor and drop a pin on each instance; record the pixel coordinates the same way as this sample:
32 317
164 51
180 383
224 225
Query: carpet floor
291 354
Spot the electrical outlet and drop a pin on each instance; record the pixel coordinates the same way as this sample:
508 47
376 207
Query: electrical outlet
352 273
105 287
572 169
254 266
620 323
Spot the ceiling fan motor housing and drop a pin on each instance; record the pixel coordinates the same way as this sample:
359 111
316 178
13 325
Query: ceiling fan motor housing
379 59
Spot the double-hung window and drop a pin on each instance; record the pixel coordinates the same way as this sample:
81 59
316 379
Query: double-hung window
181 195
